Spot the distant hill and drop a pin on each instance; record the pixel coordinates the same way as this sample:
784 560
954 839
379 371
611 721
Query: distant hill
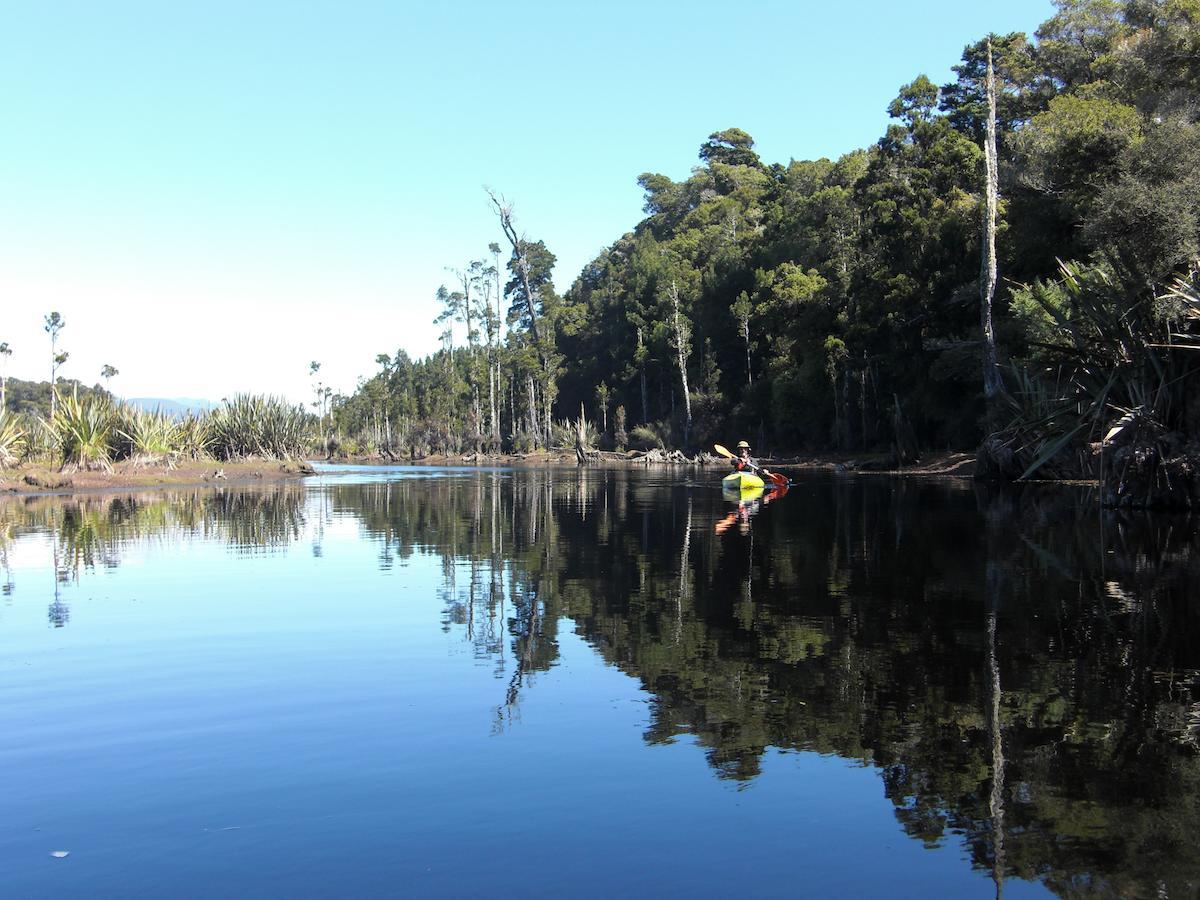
174 406
33 397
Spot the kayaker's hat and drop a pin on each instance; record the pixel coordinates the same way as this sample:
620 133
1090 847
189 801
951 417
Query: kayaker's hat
742 445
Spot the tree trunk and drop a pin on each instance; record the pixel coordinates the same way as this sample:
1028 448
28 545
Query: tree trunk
862 402
681 348
642 374
504 211
533 410
491 416
837 418
749 370
744 334
464 278
581 438
993 385
499 420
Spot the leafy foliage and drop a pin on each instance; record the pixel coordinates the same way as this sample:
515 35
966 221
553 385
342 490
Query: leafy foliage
805 303
83 430
12 439
148 433
258 425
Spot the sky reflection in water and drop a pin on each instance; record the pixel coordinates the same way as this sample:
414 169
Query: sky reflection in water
558 682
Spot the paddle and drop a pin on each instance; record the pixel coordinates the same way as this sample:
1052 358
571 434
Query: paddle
776 478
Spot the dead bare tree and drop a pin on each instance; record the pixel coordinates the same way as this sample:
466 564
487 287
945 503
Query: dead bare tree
504 210
993 385
681 340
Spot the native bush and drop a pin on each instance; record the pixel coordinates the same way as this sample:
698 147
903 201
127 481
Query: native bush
83 431
193 438
12 439
649 436
147 436
564 431
1106 350
258 425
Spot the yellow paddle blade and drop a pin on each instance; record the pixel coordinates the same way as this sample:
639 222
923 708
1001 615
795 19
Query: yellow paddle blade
721 450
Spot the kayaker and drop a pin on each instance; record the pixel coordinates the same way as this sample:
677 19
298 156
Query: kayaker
743 462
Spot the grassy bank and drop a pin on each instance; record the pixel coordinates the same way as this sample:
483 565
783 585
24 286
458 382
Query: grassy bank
91 433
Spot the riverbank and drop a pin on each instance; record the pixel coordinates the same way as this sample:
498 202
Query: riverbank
41 479
32 479
942 464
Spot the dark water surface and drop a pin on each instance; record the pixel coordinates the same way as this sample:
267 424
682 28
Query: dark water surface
551 682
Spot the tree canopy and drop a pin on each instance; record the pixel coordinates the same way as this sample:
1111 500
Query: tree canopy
827 303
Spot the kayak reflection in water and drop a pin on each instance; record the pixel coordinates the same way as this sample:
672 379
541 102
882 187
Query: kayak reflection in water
749 503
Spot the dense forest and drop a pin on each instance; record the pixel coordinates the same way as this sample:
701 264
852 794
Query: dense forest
848 304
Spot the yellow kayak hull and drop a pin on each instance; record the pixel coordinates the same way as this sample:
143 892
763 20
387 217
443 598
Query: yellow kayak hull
741 481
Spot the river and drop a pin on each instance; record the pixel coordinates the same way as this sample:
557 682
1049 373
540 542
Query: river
597 682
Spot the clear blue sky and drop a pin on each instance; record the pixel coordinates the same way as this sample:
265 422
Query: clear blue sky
213 194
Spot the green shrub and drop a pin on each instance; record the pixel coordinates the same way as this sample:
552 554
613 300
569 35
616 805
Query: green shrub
40 441
650 436
12 439
146 435
258 425
84 431
193 437
563 434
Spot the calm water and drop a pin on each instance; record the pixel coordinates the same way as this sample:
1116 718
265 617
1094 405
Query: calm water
550 682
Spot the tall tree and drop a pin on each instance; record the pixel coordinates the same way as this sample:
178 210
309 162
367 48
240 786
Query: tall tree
993 385
314 368
451 303
681 340
732 147
5 353
54 324
108 373
532 265
473 278
603 396
496 319
520 265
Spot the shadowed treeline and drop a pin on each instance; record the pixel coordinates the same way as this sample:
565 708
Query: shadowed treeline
1021 670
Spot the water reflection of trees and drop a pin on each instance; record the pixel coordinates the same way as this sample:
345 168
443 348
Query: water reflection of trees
1020 670
91 531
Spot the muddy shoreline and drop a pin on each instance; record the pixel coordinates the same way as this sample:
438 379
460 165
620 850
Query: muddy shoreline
39 480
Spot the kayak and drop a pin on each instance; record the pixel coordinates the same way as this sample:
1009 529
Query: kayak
740 481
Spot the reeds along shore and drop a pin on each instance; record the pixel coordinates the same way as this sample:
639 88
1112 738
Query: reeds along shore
93 433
